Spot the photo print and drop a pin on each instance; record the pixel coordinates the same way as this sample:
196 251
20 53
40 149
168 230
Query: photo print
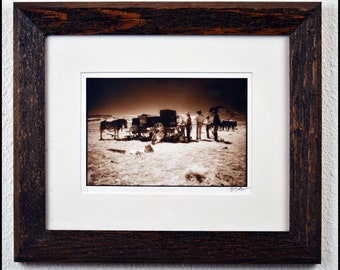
167 131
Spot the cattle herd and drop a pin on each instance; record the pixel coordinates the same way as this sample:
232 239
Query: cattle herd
228 124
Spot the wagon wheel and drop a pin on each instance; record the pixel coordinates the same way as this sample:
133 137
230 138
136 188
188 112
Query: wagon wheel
158 136
158 127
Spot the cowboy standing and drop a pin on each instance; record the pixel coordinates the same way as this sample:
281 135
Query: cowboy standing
188 126
207 127
216 123
199 121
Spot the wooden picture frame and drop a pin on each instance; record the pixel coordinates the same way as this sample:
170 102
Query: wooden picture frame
33 22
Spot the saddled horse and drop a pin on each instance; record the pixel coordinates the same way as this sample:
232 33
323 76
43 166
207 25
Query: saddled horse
112 126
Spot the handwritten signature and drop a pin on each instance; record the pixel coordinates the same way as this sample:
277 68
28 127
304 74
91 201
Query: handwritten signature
236 189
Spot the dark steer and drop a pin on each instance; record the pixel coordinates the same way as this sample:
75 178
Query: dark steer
112 126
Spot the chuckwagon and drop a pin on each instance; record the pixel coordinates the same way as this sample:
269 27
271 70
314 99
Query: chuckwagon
158 128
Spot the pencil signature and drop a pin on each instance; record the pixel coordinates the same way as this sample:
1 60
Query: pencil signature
236 189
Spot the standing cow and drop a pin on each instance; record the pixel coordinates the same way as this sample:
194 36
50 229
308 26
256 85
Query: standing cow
112 126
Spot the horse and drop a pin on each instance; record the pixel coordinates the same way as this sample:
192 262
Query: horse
114 126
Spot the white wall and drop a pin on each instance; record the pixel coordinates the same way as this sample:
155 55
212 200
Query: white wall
329 154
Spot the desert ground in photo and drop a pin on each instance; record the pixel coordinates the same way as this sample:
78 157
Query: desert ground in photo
123 162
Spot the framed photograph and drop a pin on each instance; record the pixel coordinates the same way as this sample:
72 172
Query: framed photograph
166 132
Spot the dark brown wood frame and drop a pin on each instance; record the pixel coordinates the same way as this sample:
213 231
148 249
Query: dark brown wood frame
33 22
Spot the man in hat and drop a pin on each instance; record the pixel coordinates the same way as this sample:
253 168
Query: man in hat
216 123
188 126
199 122
207 126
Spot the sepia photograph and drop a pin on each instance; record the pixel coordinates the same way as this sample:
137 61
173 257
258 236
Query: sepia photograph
184 132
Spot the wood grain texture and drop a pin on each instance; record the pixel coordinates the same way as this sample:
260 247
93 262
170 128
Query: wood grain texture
33 22
165 18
